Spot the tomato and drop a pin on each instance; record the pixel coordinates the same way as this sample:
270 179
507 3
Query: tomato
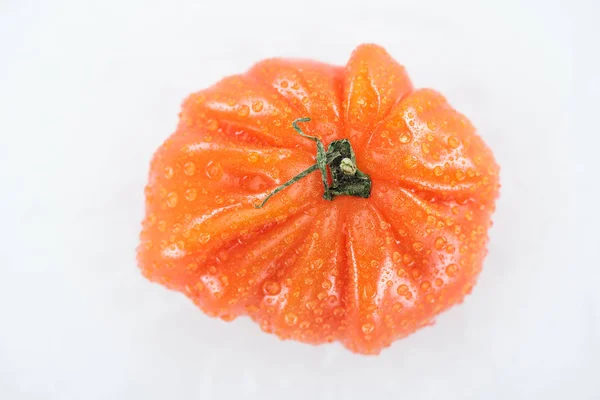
385 230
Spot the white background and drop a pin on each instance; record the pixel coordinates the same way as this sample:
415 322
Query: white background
89 90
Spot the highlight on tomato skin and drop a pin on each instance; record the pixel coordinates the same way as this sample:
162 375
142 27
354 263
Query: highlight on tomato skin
360 271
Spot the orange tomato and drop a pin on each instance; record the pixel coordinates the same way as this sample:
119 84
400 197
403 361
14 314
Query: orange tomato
362 271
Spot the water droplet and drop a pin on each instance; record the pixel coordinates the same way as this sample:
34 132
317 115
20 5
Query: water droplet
253 157
212 125
460 175
284 84
291 319
162 226
271 288
172 199
402 289
438 282
425 148
418 246
214 170
304 324
453 142
368 328
243 110
326 285
204 238
440 243
151 219
368 291
225 280
169 172
361 101
450 249
338 311
451 270
404 137
191 194
396 257
257 106
469 215
425 286
189 168
397 307
416 273
408 260
438 171
311 304
449 221
431 125
410 162
212 270
430 298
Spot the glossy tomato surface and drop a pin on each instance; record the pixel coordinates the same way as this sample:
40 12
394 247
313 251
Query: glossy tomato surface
363 272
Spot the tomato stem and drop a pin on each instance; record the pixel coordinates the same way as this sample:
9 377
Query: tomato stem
347 179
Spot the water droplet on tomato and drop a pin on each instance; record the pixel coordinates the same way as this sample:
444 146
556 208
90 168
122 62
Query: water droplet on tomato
212 125
338 311
243 110
253 157
404 137
451 270
257 106
438 171
440 243
191 194
172 199
291 319
214 170
402 289
169 172
271 288
204 238
453 142
189 168
368 328
410 162
304 324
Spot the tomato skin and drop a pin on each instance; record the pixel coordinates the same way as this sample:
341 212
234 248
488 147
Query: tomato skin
363 272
